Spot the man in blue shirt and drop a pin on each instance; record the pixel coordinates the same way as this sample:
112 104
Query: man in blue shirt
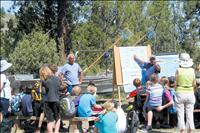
72 73
151 66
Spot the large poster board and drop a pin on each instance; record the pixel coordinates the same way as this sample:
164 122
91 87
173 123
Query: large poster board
169 64
130 69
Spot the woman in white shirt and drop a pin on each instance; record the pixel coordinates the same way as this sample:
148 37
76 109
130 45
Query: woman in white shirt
5 90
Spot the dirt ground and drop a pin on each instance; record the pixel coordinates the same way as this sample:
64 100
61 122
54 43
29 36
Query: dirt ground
174 130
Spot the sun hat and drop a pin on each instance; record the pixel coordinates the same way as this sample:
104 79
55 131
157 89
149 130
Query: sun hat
185 60
5 65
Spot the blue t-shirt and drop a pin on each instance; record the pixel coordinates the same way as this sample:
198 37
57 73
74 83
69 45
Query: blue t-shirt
27 104
107 123
85 105
71 73
150 69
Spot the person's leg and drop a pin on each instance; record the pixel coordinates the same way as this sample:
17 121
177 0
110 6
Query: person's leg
50 126
144 111
180 112
57 126
56 112
149 118
189 112
40 122
1 117
50 116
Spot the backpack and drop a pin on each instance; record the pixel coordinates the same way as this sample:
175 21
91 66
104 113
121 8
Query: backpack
67 106
132 121
37 91
173 109
16 102
6 125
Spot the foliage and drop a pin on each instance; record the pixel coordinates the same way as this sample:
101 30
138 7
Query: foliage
33 51
90 27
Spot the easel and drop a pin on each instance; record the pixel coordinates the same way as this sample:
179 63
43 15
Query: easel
117 73
117 70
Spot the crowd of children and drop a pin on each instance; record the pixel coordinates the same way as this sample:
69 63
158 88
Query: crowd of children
50 98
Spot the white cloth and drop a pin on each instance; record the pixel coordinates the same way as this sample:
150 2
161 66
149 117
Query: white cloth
185 105
6 90
121 123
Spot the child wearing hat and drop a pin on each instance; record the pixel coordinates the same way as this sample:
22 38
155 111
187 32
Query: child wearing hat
107 122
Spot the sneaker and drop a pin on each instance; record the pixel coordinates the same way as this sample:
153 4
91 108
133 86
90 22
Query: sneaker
147 129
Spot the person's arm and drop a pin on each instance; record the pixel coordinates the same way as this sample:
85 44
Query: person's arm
2 83
1 87
160 108
194 82
81 77
147 96
93 103
97 106
176 79
138 60
158 69
167 98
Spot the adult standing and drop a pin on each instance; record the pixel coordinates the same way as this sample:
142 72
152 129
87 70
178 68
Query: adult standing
72 72
185 79
151 66
5 90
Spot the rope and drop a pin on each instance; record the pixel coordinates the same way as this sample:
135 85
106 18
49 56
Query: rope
115 43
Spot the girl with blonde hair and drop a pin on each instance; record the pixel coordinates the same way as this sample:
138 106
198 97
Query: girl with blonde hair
107 122
52 106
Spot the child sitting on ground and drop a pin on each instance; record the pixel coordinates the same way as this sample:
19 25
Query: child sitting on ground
107 121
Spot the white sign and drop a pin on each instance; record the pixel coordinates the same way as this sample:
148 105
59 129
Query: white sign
169 64
130 69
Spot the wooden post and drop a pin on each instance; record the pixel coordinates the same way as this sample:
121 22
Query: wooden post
113 92
119 95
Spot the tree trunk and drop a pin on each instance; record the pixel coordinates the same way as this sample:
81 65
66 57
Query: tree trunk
63 28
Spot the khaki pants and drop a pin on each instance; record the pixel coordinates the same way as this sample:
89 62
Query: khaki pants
185 105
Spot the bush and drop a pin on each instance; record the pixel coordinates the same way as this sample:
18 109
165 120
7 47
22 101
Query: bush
32 52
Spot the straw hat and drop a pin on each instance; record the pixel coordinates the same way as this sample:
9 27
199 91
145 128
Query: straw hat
185 60
5 65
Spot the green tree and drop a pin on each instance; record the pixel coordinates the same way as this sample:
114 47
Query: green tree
190 29
34 50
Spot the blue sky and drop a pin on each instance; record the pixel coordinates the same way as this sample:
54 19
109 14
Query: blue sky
6 4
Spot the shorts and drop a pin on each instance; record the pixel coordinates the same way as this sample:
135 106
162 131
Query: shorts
38 108
4 105
148 107
52 111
